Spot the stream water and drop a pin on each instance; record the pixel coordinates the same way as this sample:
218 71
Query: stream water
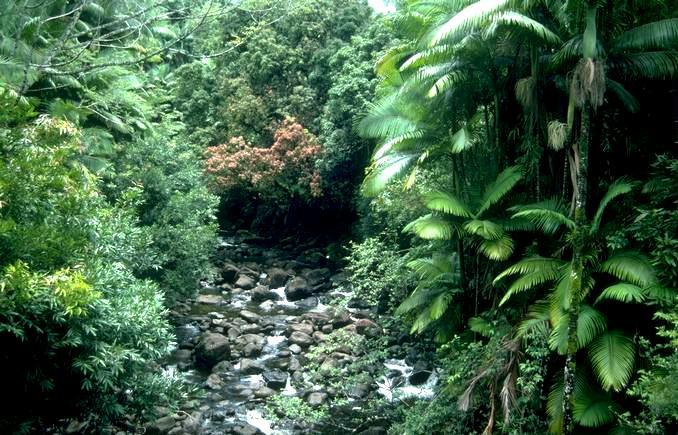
245 338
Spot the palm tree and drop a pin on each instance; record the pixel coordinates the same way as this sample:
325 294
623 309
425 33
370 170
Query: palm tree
611 353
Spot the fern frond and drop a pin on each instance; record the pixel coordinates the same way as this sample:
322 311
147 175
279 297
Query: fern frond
547 216
622 292
447 203
431 227
630 266
497 249
501 186
613 356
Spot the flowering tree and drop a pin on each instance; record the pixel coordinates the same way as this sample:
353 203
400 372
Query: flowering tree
280 173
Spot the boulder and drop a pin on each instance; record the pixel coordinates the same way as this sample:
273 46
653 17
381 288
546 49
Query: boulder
301 327
308 303
229 272
214 382
250 367
250 316
297 289
276 379
420 373
161 426
264 392
210 299
245 282
301 339
277 277
243 428
211 349
316 398
317 276
367 327
262 293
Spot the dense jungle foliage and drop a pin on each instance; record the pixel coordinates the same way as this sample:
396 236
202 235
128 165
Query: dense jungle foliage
497 179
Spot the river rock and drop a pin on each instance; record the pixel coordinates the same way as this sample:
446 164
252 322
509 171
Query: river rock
277 277
211 349
161 425
308 303
214 382
262 293
367 327
224 367
229 271
295 348
316 398
317 276
420 373
341 319
264 392
250 316
244 429
303 340
210 299
301 327
250 367
276 379
297 289
245 282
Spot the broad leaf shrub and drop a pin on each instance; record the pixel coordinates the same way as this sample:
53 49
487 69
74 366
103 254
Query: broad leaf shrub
279 174
79 332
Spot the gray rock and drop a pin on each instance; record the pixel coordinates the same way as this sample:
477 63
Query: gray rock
303 340
297 289
229 271
264 392
214 382
161 425
301 327
317 276
316 398
420 373
222 367
250 367
211 349
245 429
245 282
308 303
210 300
276 379
295 348
262 293
250 316
277 277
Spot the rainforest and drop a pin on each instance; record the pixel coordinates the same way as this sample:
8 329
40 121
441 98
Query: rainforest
339 217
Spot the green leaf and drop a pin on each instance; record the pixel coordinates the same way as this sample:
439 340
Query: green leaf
497 249
652 36
488 230
431 227
630 266
550 266
547 216
515 20
502 185
384 170
467 20
618 188
447 203
612 356
622 292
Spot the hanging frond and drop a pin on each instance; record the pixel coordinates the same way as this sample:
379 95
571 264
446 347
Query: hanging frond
653 65
497 249
626 98
486 229
431 227
400 142
620 187
550 266
446 82
622 292
387 66
389 118
529 281
460 141
630 266
515 20
447 203
547 216
613 356
384 170
558 132
501 186
467 20
652 36
429 56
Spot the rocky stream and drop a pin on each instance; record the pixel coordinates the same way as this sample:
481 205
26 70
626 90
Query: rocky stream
246 338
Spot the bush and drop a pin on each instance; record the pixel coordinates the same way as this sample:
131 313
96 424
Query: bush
79 332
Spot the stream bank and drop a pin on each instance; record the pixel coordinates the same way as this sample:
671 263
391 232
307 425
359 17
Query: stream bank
276 345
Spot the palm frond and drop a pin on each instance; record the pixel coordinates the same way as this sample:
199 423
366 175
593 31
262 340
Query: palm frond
613 356
447 203
429 56
547 216
497 249
502 185
652 36
386 169
537 319
622 292
618 188
630 266
400 142
515 20
431 227
467 20
446 82
460 141
652 65
629 101
551 266
486 229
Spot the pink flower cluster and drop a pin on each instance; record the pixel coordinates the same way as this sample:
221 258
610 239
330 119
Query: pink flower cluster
284 170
